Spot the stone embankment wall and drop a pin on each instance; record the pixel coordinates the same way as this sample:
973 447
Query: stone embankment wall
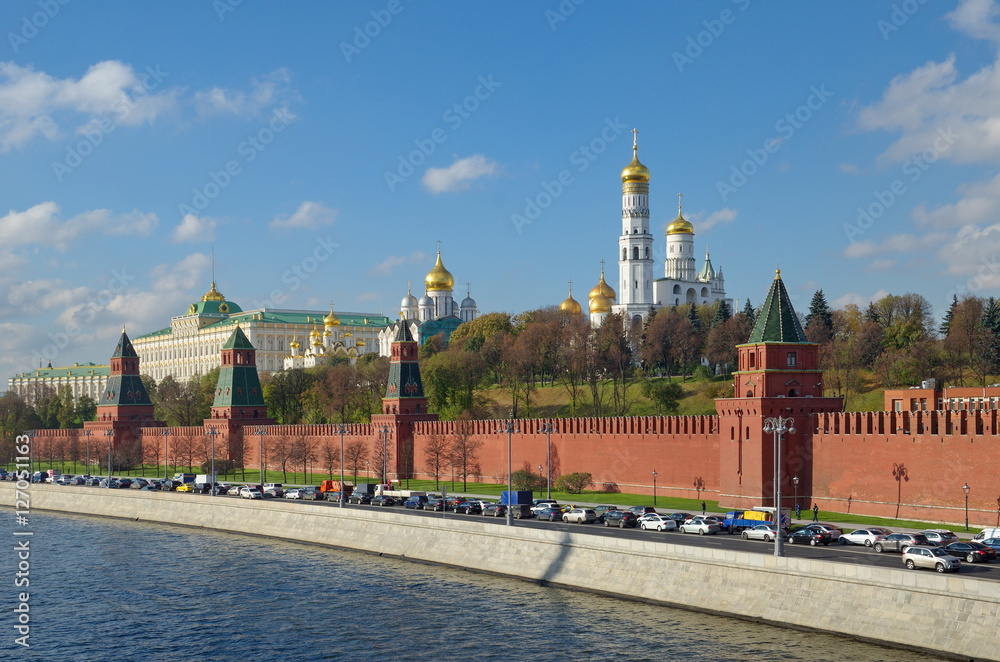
953 614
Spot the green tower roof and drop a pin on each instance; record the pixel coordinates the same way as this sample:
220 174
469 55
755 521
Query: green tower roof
124 348
238 340
776 320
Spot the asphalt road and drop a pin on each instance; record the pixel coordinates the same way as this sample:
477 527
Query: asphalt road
834 552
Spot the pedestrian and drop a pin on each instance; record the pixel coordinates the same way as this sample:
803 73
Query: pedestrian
798 511
702 507
815 512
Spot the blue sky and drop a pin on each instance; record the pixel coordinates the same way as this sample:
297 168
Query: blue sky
322 149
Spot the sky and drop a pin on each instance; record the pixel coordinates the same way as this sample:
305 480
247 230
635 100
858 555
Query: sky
323 149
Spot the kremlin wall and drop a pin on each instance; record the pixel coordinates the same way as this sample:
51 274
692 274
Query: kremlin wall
907 464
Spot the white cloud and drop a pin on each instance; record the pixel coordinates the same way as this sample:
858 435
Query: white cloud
881 265
460 174
268 91
897 243
193 229
973 251
41 225
386 266
309 215
859 300
715 218
976 18
980 203
849 168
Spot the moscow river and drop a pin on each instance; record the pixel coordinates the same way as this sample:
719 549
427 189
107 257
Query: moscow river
105 589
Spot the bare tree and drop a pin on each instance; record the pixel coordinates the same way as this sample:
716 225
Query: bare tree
436 454
330 455
280 448
355 453
465 450
381 455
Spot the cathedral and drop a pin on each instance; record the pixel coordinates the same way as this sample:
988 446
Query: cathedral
435 312
639 292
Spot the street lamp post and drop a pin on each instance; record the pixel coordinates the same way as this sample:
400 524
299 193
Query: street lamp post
260 453
509 429
778 426
548 429
539 472
998 512
213 432
110 433
341 430
385 451
965 488
87 433
166 452
795 484
654 487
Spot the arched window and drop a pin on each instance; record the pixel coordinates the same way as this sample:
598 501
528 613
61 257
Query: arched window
635 252
624 253
647 252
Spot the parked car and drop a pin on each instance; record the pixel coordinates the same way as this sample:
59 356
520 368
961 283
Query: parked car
549 514
384 500
416 502
657 522
811 535
987 533
495 510
538 502
991 542
623 519
920 556
700 525
139 483
639 511
333 496
469 508
866 537
580 516
294 493
522 511
765 532
548 504
900 542
680 518
250 493
186 487
436 505
972 552
360 498
600 510
940 537
312 493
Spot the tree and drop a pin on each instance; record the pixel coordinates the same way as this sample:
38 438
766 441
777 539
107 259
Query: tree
665 395
819 321
946 322
355 452
751 314
721 342
525 479
465 450
330 455
614 348
436 455
284 393
574 483
722 312
280 452
382 455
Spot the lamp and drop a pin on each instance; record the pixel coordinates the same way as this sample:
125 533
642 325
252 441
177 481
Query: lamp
548 429
965 488
778 426
654 487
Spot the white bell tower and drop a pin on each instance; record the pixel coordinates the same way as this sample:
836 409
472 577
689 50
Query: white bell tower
635 245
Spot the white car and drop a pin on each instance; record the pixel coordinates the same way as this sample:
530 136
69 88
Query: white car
940 537
293 493
765 532
700 525
657 522
866 537
250 493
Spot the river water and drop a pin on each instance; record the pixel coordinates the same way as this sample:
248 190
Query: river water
105 589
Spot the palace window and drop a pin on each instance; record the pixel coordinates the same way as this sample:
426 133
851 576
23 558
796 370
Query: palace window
791 358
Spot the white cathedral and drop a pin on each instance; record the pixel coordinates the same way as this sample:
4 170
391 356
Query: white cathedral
639 292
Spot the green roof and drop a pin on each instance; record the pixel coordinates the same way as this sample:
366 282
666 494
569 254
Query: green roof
776 319
78 370
299 317
124 348
238 341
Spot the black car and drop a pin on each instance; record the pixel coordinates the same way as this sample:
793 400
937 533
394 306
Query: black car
312 493
359 498
550 515
522 511
383 500
495 510
639 511
333 496
812 536
623 519
416 502
680 518
436 505
469 508
972 552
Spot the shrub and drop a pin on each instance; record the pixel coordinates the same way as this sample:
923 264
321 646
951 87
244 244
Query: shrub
574 483
522 479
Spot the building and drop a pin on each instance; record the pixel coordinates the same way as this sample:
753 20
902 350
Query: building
191 345
435 312
638 290
82 380
931 396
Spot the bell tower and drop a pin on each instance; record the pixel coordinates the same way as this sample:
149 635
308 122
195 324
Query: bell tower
635 245
779 375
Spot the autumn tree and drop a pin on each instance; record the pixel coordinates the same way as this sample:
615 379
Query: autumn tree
355 453
465 450
436 456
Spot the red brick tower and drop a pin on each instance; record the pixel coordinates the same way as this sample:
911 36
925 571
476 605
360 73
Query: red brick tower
403 405
779 375
124 407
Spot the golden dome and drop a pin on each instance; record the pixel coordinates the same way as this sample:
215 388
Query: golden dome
314 333
635 171
294 344
679 225
328 333
602 288
213 294
439 279
331 319
571 305
600 304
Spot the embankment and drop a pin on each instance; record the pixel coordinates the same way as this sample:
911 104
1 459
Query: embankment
946 614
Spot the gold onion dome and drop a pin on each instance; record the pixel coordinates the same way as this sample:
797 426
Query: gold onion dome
328 333
294 344
213 294
635 171
571 305
331 319
314 333
602 288
439 279
679 225
600 304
